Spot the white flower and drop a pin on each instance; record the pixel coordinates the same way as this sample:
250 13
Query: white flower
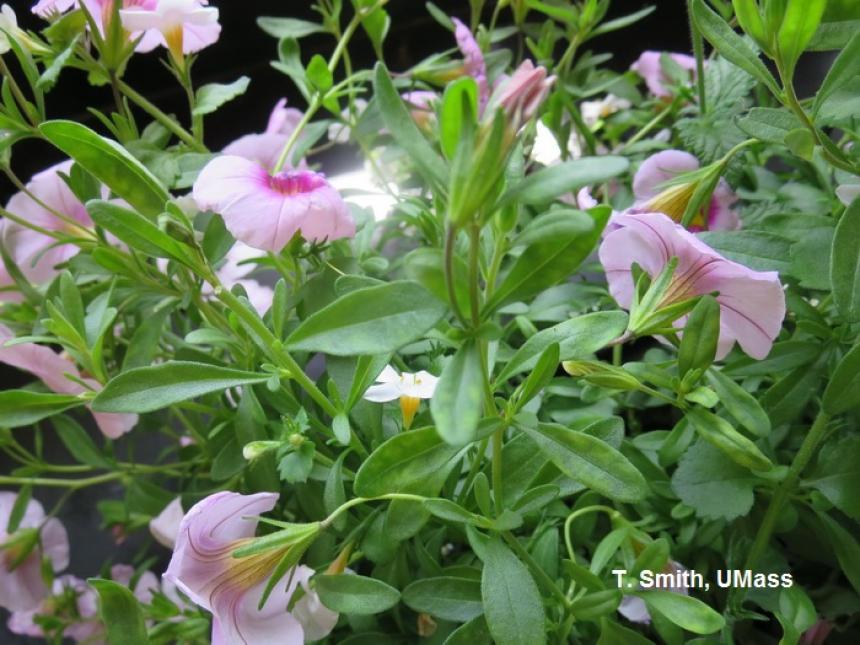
848 192
165 526
409 388
545 149
185 25
594 111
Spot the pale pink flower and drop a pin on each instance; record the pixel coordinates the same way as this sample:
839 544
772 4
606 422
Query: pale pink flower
71 600
633 608
204 569
473 59
235 269
752 303
183 26
47 8
31 250
265 211
145 586
652 194
522 94
22 587
45 364
650 68
265 147
165 526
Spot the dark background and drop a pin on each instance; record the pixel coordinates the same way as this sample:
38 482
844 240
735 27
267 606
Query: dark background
245 49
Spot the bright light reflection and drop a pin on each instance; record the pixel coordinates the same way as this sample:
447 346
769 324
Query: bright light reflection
361 188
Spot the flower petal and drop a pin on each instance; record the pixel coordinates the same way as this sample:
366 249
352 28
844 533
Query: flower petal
165 526
316 619
659 168
383 392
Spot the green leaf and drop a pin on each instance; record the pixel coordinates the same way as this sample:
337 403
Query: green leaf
78 442
447 510
288 27
769 124
475 632
540 377
796 614
845 264
120 612
456 403
544 264
52 72
545 185
713 484
212 96
577 338
513 606
426 266
836 475
448 598
786 399
730 45
755 249
374 320
319 74
800 19
24 408
721 434
415 461
846 548
699 343
611 633
139 232
685 611
110 163
145 389
739 403
402 127
843 390
590 461
833 35
353 594
463 90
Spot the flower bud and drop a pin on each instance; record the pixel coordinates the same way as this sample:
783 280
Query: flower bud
257 449
602 375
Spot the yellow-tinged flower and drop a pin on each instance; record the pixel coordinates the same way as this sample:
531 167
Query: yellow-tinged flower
409 388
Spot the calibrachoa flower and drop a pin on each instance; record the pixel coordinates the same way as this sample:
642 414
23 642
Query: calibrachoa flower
45 364
35 253
265 211
594 111
650 68
73 602
204 569
522 94
21 553
653 195
633 608
45 8
183 26
473 59
165 526
409 388
235 271
752 303
265 147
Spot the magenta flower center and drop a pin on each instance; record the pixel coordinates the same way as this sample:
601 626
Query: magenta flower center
294 183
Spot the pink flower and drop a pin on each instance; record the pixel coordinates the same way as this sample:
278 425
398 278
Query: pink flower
473 57
752 303
183 26
165 526
265 148
21 584
46 8
633 608
51 368
266 211
520 96
652 194
144 587
421 104
74 602
33 252
204 569
650 69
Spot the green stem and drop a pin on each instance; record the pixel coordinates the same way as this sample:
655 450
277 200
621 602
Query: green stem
17 93
165 120
699 52
498 496
363 500
294 135
450 241
653 123
61 483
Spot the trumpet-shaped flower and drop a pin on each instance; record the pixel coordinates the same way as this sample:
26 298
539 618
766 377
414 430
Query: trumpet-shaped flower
45 364
22 552
752 303
650 67
408 388
165 526
265 211
183 26
652 195
265 147
473 59
204 569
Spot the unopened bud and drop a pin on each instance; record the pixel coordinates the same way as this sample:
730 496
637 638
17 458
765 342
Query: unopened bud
257 449
602 375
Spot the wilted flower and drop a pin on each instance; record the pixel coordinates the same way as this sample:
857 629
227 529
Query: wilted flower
634 609
21 553
650 67
473 59
265 147
594 111
203 568
409 388
183 26
45 364
265 211
165 526
653 195
752 303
